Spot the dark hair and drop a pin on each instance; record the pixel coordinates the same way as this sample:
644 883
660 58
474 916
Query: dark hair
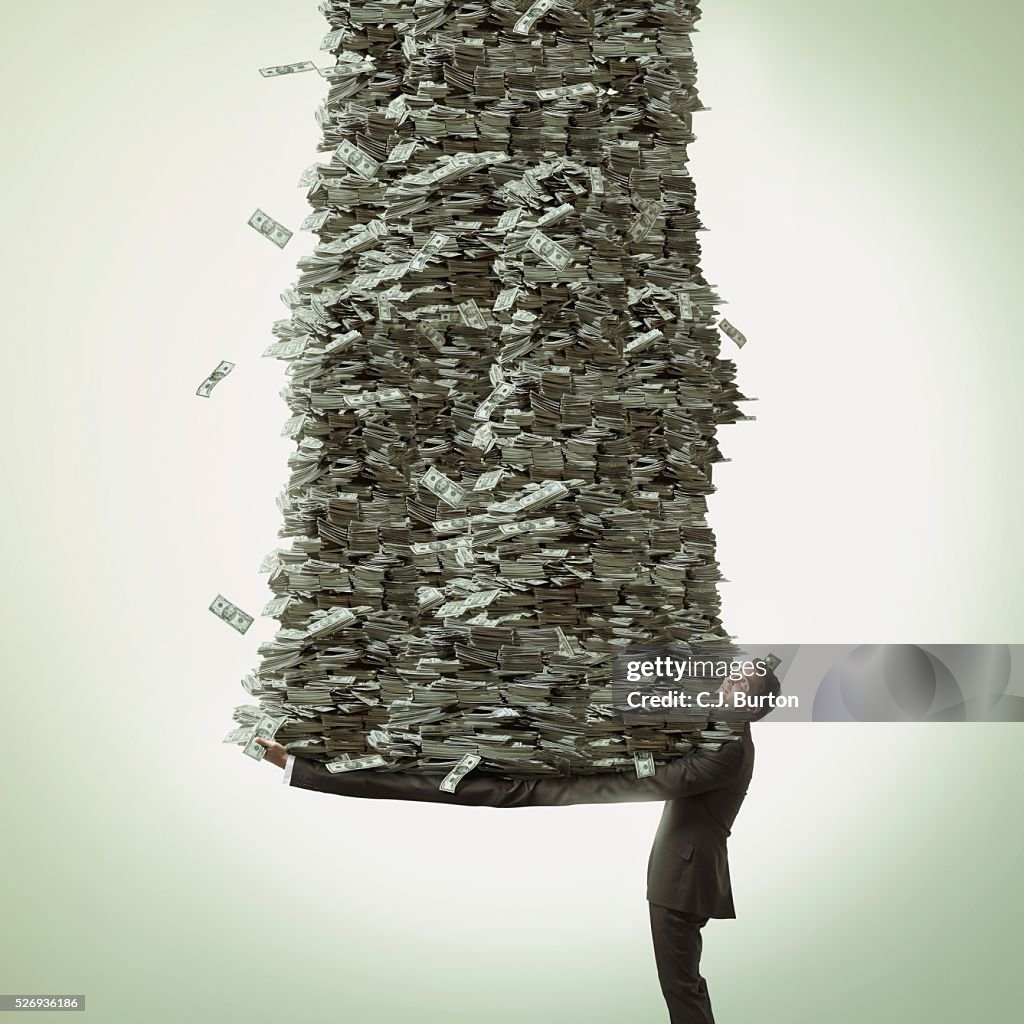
764 686
760 686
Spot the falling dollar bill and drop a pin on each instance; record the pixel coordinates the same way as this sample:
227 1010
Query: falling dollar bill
334 39
270 560
506 299
549 251
223 369
402 152
353 157
266 225
565 645
288 69
231 614
643 761
508 220
459 772
293 426
731 331
645 220
773 661
493 400
483 437
471 315
489 480
237 736
531 15
439 485
309 176
355 764
434 244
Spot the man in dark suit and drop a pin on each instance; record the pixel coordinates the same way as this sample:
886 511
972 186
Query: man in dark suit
688 869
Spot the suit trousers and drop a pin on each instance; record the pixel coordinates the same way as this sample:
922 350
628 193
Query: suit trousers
677 949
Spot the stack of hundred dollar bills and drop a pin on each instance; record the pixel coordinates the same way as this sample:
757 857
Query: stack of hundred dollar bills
504 383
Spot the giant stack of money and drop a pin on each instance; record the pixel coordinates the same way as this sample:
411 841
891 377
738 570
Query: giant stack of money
504 380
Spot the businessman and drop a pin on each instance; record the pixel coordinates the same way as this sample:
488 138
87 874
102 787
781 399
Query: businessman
688 869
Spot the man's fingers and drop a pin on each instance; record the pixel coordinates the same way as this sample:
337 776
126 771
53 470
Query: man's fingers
264 743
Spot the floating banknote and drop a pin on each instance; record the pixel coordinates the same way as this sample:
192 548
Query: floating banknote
266 225
223 369
288 69
231 614
644 763
506 299
402 152
459 772
356 764
508 220
532 14
432 247
646 219
471 315
489 480
493 400
483 437
736 336
355 158
549 251
334 39
293 426
447 490
270 560
772 661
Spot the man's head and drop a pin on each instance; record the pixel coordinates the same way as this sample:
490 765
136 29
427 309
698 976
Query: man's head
759 688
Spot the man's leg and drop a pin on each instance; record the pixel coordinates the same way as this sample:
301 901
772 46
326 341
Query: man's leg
677 949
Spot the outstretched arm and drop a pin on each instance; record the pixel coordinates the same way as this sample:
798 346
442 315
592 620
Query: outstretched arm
697 771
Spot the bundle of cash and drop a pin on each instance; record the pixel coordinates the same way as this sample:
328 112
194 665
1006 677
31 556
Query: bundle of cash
504 377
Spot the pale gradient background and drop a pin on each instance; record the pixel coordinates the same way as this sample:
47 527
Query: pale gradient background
858 173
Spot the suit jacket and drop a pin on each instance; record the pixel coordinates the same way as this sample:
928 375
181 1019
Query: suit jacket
688 868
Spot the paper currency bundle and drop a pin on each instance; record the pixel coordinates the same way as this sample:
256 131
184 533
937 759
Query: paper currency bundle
505 380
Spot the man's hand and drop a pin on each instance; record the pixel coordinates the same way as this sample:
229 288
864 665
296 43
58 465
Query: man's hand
276 754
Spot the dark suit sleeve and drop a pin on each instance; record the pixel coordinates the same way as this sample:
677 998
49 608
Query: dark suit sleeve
697 771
